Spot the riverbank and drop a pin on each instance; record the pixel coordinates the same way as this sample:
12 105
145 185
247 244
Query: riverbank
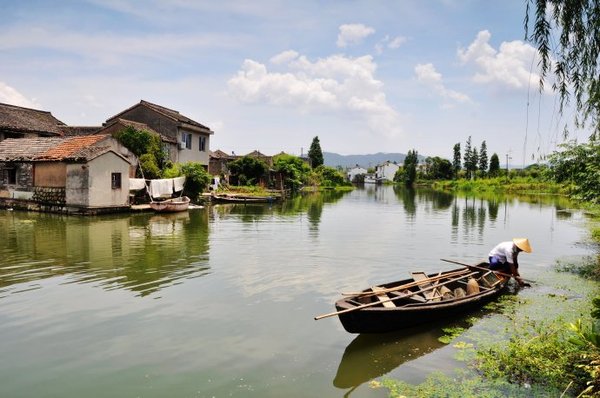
515 185
542 343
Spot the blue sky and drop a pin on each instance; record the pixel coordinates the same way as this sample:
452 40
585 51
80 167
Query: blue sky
363 76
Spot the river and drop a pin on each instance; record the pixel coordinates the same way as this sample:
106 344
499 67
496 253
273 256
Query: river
219 302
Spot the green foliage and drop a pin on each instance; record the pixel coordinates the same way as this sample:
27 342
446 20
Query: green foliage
315 154
399 175
578 165
142 142
483 158
437 168
196 179
456 165
566 35
410 167
149 165
450 334
330 177
536 353
248 170
494 166
293 169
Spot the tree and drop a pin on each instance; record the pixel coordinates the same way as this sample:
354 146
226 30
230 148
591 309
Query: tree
456 166
579 165
294 170
494 165
483 158
572 57
315 155
146 146
248 170
438 168
470 158
410 167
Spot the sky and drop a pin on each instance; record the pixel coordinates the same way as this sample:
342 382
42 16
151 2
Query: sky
269 75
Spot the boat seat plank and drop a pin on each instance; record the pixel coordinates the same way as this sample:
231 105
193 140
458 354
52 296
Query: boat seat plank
432 295
382 297
416 297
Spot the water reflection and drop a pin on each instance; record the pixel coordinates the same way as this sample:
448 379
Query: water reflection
141 253
370 356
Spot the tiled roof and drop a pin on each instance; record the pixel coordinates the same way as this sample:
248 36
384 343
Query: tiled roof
72 131
19 119
170 113
75 148
219 154
53 149
141 126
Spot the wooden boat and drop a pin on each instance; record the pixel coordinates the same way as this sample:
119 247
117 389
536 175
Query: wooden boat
421 299
171 205
243 199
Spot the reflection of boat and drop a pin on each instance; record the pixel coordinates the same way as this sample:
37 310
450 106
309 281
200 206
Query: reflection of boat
171 205
422 299
243 199
369 356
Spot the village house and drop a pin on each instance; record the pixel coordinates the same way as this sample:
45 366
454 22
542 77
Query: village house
19 122
183 138
88 174
355 171
386 171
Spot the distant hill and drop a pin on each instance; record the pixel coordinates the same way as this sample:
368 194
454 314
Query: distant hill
366 161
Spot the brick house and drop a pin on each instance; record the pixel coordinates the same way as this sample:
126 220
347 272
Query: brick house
88 174
185 139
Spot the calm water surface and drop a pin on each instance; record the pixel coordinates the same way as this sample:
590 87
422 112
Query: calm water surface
220 301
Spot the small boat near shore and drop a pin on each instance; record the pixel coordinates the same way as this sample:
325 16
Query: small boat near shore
242 199
171 205
418 300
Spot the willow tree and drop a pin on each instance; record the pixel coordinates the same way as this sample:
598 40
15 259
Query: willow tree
567 36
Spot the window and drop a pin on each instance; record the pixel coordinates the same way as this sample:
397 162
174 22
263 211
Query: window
202 144
10 176
115 181
186 140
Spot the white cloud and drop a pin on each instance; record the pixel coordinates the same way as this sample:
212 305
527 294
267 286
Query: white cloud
9 95
430 77
336 85
397 42
508 67
353 34
284 57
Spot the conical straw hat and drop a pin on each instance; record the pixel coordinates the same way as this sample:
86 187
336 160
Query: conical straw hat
523 244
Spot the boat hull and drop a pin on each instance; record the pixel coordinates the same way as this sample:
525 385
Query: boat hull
171 205
379 319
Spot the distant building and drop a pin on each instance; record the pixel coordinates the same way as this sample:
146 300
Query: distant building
386 171
19 122
355 171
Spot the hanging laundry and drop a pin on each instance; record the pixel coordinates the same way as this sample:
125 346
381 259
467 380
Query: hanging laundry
135 184
178 183
161 188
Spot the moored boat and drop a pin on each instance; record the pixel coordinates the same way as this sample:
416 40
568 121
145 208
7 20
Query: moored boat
171 205
421 299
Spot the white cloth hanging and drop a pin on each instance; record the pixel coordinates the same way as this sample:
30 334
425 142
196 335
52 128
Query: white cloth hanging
135 184
178 183
163 187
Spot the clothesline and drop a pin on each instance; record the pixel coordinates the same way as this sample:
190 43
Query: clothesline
159 187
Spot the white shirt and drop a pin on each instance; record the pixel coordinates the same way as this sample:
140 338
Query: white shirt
504 251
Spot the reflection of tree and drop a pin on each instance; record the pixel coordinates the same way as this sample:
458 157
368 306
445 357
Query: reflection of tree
407 196
142 253
440 200
493 206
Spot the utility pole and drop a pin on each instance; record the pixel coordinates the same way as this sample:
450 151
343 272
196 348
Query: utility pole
507 159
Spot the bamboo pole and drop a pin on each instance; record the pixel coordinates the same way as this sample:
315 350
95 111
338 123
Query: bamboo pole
407 285
393 298
486 269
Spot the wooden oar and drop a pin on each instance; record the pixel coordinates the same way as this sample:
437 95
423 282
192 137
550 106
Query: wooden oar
486 269
358 307
406 285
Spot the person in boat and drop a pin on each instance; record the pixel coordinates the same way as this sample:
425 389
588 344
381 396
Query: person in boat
503 257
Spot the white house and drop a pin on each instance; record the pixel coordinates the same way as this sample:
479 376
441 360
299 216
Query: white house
353 172
386 171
